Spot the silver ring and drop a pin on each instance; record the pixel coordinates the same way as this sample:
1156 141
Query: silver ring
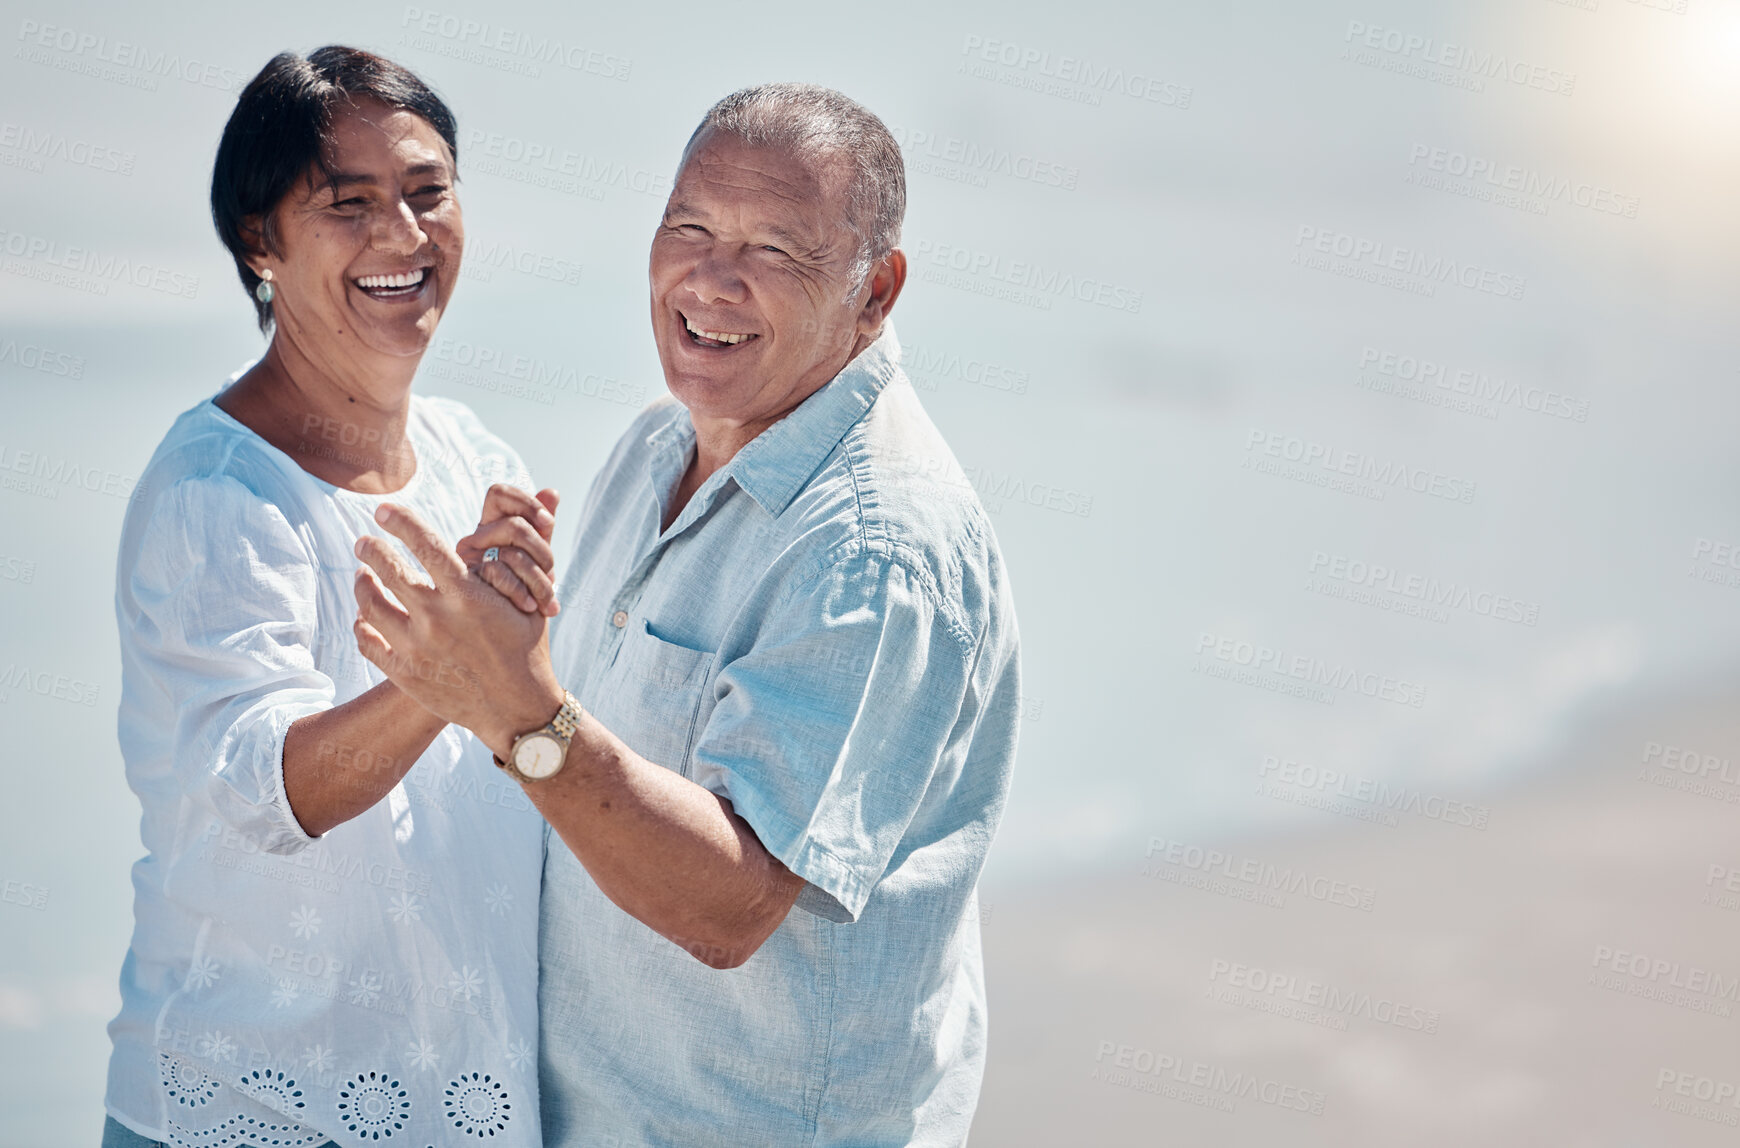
492 554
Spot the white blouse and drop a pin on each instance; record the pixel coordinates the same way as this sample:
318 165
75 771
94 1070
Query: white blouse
374 985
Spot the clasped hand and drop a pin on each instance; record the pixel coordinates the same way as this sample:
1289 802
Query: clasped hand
470 641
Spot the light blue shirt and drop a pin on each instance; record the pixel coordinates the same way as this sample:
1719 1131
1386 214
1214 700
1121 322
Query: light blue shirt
825 637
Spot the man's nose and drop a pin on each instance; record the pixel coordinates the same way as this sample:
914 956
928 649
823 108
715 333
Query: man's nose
714 279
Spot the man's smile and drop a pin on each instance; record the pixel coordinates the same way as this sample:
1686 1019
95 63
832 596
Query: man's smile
702 337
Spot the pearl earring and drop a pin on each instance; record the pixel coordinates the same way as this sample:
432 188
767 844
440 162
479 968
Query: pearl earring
264 291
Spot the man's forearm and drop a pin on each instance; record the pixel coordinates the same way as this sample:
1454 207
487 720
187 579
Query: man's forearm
668 852
341 761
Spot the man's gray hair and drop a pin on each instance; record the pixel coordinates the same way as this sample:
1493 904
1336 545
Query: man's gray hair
811 122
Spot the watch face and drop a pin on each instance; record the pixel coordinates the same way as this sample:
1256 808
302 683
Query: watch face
538 755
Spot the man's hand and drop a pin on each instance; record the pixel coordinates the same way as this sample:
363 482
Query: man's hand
519 526
675 856
457 646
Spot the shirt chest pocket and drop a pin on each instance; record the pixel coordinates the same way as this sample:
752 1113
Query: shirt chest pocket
653 697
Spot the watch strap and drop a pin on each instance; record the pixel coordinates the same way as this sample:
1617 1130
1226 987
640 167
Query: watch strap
561 727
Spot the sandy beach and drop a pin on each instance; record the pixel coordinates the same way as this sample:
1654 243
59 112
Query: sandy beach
1566 976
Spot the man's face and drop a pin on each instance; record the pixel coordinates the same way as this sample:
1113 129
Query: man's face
750 268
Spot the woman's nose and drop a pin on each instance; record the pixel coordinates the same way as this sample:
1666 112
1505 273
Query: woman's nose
397 230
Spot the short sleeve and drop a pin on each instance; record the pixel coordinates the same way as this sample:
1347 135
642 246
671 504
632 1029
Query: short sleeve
223 622
828 732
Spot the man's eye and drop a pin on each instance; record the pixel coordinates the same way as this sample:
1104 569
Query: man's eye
772 248
353 201
432 189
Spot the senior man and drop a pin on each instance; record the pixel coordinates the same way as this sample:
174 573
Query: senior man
792 655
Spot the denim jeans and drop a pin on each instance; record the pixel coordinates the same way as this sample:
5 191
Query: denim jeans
118 1135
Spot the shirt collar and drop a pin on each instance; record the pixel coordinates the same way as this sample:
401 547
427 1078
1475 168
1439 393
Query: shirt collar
773 467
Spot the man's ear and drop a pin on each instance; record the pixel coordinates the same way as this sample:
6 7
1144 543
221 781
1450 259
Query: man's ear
886 281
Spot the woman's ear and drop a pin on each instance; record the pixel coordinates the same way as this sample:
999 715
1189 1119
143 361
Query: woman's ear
254 236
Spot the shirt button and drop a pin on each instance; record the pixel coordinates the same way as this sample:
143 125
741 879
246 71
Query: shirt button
619 619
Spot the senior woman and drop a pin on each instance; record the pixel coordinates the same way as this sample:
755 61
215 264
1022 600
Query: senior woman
335 935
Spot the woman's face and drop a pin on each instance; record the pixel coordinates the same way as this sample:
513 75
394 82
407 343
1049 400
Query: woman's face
366 262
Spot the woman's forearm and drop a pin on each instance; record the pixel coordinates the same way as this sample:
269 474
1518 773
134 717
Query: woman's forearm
341 761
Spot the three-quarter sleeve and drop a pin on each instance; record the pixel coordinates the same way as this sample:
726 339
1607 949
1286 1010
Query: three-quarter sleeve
223 622
828 733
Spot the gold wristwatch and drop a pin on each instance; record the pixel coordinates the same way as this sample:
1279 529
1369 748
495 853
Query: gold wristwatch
540 755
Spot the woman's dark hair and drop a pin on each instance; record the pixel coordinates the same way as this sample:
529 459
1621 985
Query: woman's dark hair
278 134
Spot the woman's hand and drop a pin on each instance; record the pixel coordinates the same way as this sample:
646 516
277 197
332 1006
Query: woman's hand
518 525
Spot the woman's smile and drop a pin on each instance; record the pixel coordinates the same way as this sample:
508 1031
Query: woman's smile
398 287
